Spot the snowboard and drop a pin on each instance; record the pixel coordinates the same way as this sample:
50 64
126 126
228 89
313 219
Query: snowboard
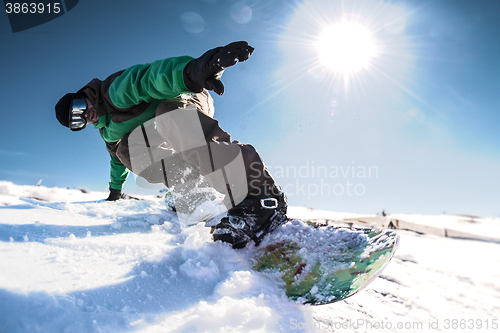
322 265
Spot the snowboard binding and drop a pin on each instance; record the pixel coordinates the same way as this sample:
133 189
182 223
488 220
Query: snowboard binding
253 218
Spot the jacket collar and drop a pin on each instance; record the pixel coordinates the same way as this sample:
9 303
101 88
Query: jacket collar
103 121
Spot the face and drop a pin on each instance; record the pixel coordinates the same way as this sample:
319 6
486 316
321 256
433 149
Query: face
90 114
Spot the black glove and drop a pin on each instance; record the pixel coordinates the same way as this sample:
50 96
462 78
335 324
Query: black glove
115 195
205 71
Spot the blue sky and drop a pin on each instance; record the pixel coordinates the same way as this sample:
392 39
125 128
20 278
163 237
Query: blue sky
416 132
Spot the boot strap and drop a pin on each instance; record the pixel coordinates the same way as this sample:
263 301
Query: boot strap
276 222
266 203
269 203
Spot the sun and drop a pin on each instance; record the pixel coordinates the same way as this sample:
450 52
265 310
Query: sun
346 47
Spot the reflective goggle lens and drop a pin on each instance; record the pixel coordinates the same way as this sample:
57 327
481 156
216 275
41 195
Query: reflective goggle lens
76 120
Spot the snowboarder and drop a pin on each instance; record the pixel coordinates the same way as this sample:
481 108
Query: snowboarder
158 101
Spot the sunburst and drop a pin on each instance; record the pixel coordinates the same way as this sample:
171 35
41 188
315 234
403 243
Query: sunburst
346 47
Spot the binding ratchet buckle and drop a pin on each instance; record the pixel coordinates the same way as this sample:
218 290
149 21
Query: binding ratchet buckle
269 203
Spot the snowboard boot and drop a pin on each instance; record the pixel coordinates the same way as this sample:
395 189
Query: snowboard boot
253 218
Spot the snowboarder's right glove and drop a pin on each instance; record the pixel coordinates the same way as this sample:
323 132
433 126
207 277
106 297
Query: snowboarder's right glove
115 195
206 71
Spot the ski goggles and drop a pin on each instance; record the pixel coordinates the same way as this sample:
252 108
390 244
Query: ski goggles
77 121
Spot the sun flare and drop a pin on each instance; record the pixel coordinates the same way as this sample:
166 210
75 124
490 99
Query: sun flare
346 47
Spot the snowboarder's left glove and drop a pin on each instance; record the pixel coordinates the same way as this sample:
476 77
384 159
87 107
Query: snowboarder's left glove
206 71
115 195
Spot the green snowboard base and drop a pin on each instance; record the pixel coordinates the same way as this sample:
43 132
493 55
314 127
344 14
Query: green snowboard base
327 264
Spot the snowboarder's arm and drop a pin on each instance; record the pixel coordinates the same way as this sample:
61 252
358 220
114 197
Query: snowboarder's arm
159 80
205 72
118 174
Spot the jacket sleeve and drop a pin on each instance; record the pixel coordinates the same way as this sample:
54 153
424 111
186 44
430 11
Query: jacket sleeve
162 79
118 173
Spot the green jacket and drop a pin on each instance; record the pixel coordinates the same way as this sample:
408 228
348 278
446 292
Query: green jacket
129 98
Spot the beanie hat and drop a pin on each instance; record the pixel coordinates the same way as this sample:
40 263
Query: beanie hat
62 109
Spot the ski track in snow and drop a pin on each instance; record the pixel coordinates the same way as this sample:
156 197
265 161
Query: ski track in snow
76 263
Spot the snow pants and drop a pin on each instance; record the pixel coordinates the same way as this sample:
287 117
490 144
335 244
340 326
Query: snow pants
184 137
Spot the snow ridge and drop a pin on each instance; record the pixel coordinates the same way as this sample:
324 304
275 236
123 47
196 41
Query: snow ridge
75 263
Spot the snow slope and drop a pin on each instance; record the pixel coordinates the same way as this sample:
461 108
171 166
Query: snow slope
75 264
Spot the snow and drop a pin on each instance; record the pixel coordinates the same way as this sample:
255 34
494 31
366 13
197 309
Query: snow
72 262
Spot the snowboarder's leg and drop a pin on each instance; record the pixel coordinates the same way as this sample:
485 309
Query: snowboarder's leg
146 153
188 127
256 205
